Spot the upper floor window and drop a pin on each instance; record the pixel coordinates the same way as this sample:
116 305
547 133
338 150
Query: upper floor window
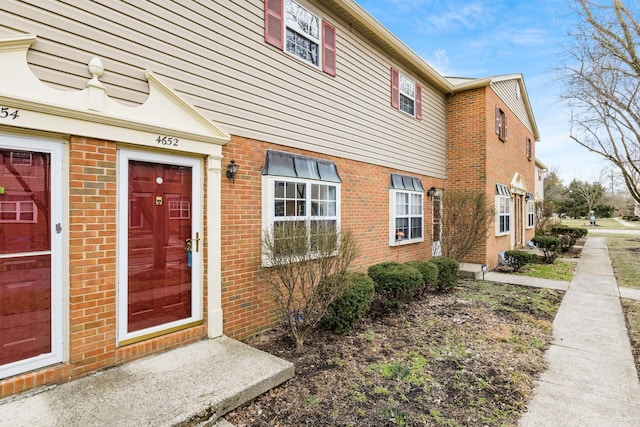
501 124
303 33
406 201
292 27
529 148
406 95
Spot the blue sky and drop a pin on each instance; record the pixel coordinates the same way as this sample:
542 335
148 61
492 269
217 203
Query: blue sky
481 38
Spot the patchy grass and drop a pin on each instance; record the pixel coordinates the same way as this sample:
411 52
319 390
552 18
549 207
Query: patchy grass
470 357
625 259
559 270
632 315
601 223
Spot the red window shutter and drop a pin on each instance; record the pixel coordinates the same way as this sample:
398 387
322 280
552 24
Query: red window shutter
418 102
497 120
395 88
273 25
328 48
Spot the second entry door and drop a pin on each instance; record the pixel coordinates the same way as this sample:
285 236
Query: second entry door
163 245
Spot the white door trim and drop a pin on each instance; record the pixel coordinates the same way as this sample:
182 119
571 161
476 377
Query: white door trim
124 155
58 235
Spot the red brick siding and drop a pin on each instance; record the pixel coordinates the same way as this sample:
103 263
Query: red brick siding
477 159
246 304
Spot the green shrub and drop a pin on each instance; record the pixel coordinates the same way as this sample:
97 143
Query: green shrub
550 247
518 259
352 305
448 273
429 272
395 283
376 271
568 236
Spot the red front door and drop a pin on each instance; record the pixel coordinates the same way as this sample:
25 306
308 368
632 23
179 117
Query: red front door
25 255
159 262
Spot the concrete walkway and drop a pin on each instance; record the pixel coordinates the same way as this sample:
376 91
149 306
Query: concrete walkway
591 379
191 385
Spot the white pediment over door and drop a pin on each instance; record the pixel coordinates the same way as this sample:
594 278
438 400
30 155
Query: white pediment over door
164 120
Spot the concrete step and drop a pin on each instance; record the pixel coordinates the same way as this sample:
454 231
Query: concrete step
471 271
192 385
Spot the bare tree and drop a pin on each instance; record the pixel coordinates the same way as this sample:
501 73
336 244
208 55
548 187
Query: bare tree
465 222
592 194
602 77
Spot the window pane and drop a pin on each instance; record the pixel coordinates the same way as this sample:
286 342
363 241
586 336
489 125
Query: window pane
416 228
279 189
407 87
278 208
331 208
402 203
323 237
402 228
406 104
302 48
302 21
416 204
301 190
331 192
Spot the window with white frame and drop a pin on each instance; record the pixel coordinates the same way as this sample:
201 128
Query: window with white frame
300 191
406 94
531 213
18 211
503 210
302 33
406 203
294 28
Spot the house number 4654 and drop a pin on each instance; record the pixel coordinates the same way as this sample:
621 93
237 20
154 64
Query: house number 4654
5 113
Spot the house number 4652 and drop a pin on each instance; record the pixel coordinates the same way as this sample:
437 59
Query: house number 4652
167 140
5 113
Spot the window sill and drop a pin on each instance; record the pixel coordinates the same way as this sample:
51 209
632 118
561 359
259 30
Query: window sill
406 242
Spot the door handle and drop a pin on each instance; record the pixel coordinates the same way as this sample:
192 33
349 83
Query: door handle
197 242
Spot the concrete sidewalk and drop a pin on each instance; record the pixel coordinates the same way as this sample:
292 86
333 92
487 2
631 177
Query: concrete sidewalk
191 385
591 379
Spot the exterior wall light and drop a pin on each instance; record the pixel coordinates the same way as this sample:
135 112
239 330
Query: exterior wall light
432 192
232 170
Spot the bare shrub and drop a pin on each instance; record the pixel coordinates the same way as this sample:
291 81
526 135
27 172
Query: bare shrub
304 268
466 222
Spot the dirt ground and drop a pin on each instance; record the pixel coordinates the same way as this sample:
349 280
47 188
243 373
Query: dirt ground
466 358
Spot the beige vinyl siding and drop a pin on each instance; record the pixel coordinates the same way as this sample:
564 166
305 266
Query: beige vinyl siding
213 53
507 90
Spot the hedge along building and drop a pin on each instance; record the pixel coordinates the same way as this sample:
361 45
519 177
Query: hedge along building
330 118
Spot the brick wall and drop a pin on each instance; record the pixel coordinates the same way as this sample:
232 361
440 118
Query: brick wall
246 304
467 119
477 159
505 159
